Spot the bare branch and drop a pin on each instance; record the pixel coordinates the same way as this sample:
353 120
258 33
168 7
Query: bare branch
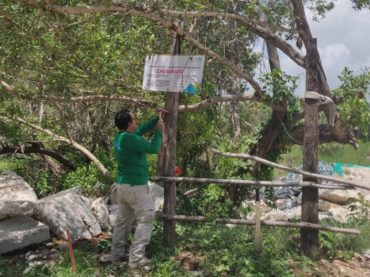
290 169
214 100
255 26
97 98
198 218
38 148
6 86
246 182
76 145
182 108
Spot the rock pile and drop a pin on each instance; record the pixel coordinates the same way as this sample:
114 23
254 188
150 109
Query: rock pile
26 220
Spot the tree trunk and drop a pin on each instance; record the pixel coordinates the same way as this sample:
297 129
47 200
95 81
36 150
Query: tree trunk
167 157
310 244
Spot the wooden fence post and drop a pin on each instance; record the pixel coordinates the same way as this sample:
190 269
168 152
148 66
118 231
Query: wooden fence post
167 157
310 244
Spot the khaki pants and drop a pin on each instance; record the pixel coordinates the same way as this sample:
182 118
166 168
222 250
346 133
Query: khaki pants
135 202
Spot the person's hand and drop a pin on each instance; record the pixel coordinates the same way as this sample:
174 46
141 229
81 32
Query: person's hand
160 124
162 113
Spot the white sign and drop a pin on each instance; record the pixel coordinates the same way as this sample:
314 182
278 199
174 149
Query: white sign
173 73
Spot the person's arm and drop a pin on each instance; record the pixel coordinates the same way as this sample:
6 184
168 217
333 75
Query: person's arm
146 126
139 144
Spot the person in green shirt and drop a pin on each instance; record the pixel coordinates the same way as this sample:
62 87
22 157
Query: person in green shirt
131 187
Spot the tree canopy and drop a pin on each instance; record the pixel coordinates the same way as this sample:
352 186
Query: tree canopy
67 66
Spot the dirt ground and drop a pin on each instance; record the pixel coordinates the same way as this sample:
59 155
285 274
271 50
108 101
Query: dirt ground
359 266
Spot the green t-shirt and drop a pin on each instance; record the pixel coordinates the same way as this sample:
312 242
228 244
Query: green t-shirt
131 149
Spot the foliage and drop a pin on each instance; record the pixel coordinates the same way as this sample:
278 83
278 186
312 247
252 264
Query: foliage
210 201
280 88
85 176
361 4
353 104
11 164
195 134
338 245
36 172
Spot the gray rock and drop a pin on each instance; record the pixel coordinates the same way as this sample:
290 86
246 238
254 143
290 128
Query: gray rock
16 195
68 211
158 195
74 190
100 210
21 231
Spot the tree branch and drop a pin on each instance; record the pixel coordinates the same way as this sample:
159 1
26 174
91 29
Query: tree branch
198 218
255 26
37 148
6 86
100 97
339 133
290 169
214 100
71 142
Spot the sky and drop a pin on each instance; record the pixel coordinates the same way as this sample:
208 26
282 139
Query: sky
343 39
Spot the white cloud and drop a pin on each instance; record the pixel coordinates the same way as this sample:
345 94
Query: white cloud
335 55
343 37
334 58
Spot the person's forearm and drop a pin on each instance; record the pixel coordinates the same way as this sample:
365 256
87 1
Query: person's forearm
147 126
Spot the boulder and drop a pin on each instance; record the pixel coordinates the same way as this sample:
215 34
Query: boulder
16 195
158 195
100 210
68 211
21 231
338 196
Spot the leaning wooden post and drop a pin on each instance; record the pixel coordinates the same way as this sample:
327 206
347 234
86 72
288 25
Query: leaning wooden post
257 235
167 158
70 250
310 244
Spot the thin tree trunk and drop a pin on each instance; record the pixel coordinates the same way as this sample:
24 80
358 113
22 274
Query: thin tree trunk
310 244
167 157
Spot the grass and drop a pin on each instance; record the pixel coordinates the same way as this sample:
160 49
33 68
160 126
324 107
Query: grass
329 153
10 164
221 250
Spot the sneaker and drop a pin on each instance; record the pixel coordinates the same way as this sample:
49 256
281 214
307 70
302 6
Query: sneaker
109 258
143 264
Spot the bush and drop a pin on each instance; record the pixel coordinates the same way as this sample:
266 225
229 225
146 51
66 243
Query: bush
85 176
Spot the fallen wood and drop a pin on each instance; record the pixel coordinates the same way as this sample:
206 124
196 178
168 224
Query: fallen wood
57 137
290 169
246 182
263 222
